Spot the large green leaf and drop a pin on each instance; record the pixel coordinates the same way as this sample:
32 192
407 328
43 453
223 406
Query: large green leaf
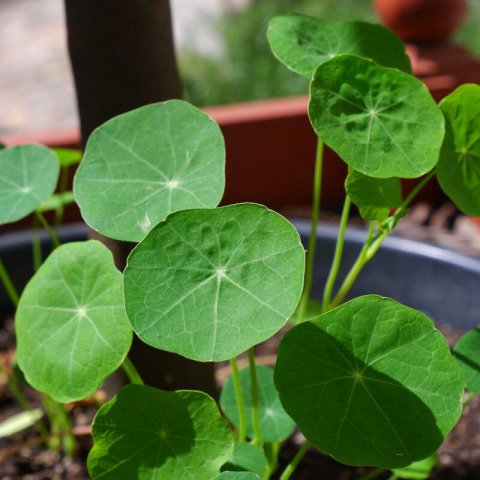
209 284
247 457
146 434
467 355
28 175
302 43
71 326
237 476
275 424
374 197
420 470
371 383
145 164
382 122
458 170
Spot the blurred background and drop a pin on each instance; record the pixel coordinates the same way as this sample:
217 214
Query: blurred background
221 45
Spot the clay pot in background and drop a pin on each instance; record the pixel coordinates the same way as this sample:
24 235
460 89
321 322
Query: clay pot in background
422 20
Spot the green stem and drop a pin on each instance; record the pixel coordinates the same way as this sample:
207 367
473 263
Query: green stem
406 203
352 275
373 474
255 399
287 473
337 258
8 284
393 477
317 190
468 398
272 455
36 246
60 426
62 187
53 236
242 415
131 372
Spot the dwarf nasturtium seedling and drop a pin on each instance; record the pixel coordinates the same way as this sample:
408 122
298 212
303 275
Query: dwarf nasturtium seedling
370 382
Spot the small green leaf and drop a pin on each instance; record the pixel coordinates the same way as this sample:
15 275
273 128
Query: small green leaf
147 434
237 476
29 175
68 156
467 355
209 284
419 470
275 423
302 43
314 309
458 170
374 197
71 326
56 201
20 421
247 457
145 164
382 122
370 383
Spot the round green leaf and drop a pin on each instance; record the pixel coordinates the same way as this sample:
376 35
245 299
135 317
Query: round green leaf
370 383
29 175
247 457
458 170
146 434
209 284
374 197
275 423
302 43
419 470
237 476
145 164
382 122
467 355
71 326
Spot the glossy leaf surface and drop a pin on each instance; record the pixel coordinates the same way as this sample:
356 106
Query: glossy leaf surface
467 355
209 284
147 434
28 175
247 457
371 383
458 170
145 164
275 423
382 122
71 326
302 43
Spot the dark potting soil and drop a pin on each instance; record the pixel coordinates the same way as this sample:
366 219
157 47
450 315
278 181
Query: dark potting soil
24 456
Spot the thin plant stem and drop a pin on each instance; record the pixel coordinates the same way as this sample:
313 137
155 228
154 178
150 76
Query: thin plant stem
131 372
468 398
287 473
272 455
242 414
317 190
62 187
337 257
352 275
53 236
36 246
257 440
410 197
8 284
373 474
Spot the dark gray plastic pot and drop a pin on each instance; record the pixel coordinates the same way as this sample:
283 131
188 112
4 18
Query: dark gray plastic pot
439 282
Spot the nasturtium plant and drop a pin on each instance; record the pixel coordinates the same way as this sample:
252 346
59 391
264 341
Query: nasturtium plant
211 283
458 169
420 470
371 382
303 43
275 423
147 434
380 121
237 476
71 327
145 164
374 197
467 355
29 174
247 457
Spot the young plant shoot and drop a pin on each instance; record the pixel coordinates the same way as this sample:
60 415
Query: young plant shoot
370 382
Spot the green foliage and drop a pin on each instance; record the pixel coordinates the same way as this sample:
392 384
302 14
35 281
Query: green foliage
146 433
458 170
209 284
237 476
28 176
247 457
371 383
145 164
71 326
275 424
419 470
467 355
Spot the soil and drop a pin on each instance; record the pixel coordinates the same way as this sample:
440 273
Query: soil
25 456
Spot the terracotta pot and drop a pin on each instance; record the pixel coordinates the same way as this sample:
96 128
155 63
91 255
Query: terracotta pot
422 20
